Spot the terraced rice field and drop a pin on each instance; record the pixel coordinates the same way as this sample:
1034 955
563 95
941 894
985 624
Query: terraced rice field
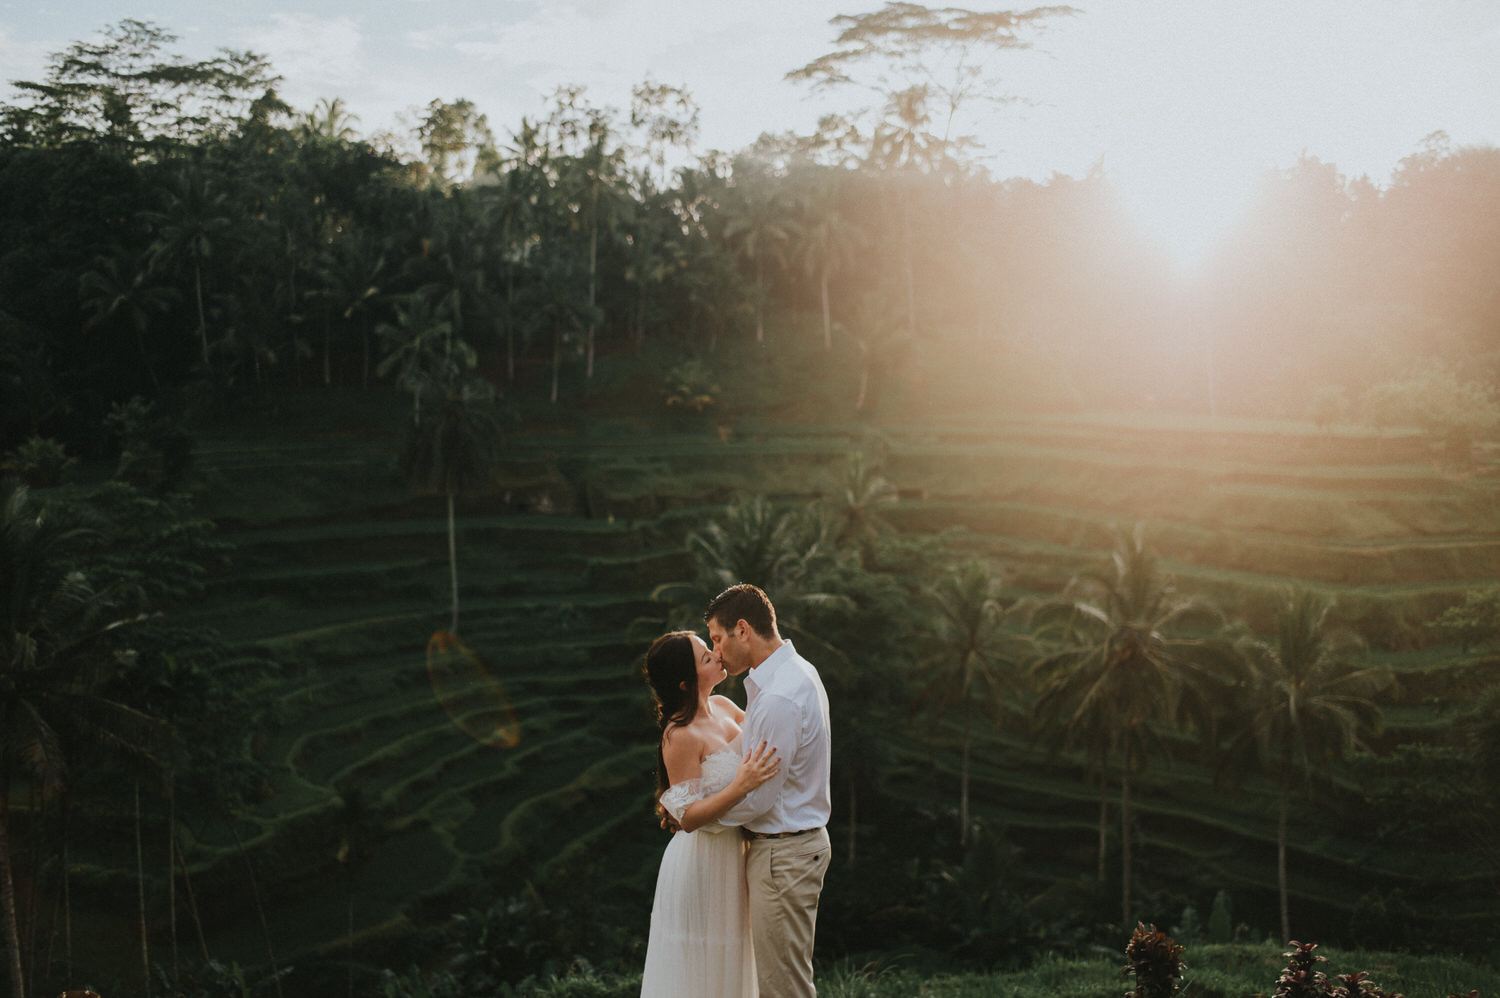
342 577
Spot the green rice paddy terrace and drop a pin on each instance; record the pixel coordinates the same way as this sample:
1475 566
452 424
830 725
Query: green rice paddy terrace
526 755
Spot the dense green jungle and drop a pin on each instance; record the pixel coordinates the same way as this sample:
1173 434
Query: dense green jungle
347 479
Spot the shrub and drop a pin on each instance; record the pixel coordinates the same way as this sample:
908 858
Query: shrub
1474 622
1358 985
691 386
1301 978
39 462
1155 963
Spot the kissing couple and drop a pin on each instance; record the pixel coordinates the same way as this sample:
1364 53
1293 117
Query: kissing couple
746 794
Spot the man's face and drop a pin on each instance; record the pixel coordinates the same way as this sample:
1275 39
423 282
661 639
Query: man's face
729 645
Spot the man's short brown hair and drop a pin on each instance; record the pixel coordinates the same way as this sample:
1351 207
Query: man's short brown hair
743 602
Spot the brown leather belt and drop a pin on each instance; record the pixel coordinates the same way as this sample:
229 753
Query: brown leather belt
778 835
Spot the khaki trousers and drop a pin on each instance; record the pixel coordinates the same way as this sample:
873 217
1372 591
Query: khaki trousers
785 878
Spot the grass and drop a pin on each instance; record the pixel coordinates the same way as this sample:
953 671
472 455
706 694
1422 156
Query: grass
1235 970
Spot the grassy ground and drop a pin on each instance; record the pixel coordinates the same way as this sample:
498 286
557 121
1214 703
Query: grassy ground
1212 971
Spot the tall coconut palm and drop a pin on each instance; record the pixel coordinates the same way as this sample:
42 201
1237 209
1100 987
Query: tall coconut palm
511 227
420 345
827 238
759 226
555 306
902 148
593 182
120 287
1116 672
881 337
352 272
976 660
1307 703
453 268
330 121
192 222
782 550
451 449
54 653
653 252
856 503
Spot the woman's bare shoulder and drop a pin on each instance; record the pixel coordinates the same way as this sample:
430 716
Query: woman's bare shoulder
730 706
682 738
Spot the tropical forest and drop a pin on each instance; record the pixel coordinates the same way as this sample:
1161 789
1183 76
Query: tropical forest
347 476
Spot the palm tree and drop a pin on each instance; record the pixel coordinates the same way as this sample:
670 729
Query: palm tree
593 178
1306 705
758 225
330 120
653 252
453 267
880 336
557 307
781 550
419 346
828 239
975 660
352 271
1117 672
510 221
119 287
856 501
53 656
903 147
193 219
451 448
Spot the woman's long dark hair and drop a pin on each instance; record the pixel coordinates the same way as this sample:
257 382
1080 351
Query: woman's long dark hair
672 672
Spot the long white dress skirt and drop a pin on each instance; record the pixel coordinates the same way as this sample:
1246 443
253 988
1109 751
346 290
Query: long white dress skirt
700 921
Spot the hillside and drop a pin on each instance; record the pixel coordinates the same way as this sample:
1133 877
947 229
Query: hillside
523 757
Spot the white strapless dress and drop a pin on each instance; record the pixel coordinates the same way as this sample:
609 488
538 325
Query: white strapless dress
700 921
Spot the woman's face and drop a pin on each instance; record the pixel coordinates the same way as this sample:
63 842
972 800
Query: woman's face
710 670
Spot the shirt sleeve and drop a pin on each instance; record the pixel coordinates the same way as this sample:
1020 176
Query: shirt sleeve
775 722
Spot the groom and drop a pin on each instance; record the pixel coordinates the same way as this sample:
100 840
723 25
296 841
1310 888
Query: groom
785 819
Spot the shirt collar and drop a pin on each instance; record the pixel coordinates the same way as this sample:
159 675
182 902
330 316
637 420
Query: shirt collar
758 677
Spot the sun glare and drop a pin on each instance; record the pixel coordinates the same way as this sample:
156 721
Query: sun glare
1185 208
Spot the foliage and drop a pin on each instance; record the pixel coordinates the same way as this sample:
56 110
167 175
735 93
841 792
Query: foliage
914 45
856 503
126 91
1118 669
1302 978
39 462
1155 963
786 552
1451 411
1306 703
975 661
1473 623
690 385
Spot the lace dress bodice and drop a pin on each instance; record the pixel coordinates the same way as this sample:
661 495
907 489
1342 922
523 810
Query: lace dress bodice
718 772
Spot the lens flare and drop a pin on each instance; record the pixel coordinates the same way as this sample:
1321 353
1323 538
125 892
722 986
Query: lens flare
469 693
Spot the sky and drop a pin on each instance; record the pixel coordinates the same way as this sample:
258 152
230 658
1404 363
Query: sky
1184 103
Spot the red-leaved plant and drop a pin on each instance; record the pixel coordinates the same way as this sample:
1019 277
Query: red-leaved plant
1155 962
1302 979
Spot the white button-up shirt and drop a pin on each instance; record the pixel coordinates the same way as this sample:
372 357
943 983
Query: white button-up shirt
787 708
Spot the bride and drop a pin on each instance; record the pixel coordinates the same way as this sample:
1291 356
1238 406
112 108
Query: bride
700 921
